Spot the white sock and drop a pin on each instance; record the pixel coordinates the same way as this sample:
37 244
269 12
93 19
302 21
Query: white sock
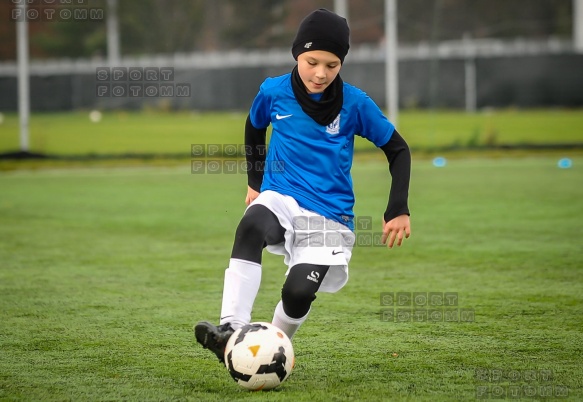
242 280
287 324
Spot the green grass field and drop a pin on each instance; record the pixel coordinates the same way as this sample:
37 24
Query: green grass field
172 133
103 272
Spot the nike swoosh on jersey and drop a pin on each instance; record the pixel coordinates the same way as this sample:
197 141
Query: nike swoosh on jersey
279 117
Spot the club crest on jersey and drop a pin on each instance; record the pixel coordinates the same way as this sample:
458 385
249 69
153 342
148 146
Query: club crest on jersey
334 127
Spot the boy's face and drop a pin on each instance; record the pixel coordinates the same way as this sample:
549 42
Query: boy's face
317 69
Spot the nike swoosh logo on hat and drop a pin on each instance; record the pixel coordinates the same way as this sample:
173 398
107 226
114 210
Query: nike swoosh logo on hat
279 117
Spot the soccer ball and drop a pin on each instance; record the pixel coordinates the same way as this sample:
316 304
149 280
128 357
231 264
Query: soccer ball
259 356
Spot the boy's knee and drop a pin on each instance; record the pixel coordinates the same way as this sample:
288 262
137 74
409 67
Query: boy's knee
292 294
300 287
296 300
258 219
258 227
249 224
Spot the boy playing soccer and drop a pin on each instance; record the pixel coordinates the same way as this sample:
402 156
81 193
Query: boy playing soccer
300 196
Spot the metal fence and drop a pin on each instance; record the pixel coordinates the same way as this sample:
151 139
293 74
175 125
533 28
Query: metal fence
458 74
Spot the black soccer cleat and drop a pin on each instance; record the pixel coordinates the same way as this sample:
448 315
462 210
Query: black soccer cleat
214 338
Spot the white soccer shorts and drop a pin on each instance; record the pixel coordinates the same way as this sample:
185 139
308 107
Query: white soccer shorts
310 238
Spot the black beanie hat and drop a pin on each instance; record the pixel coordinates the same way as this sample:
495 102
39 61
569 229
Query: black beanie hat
322 30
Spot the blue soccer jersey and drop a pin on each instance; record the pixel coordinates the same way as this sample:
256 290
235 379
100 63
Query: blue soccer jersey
311 162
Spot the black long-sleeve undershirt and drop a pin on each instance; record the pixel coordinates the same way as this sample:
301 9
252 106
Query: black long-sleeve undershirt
399 158
255 154
396 150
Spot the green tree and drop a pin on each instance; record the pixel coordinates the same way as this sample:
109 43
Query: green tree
159 26
257 24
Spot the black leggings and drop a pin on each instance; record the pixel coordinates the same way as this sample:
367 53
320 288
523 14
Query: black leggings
300 287
260 227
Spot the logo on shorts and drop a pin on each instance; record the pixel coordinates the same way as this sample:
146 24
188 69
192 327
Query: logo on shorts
314 276
334 252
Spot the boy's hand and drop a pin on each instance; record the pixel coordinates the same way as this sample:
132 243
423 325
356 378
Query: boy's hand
251 195
395 229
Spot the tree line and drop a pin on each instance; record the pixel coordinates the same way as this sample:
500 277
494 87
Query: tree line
171 26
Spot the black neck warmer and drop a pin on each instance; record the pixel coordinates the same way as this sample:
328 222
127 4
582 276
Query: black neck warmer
327 109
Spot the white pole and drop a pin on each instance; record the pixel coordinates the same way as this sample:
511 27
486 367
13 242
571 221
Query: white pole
341 8
391 61
470 76
578 25
23 75
113 48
